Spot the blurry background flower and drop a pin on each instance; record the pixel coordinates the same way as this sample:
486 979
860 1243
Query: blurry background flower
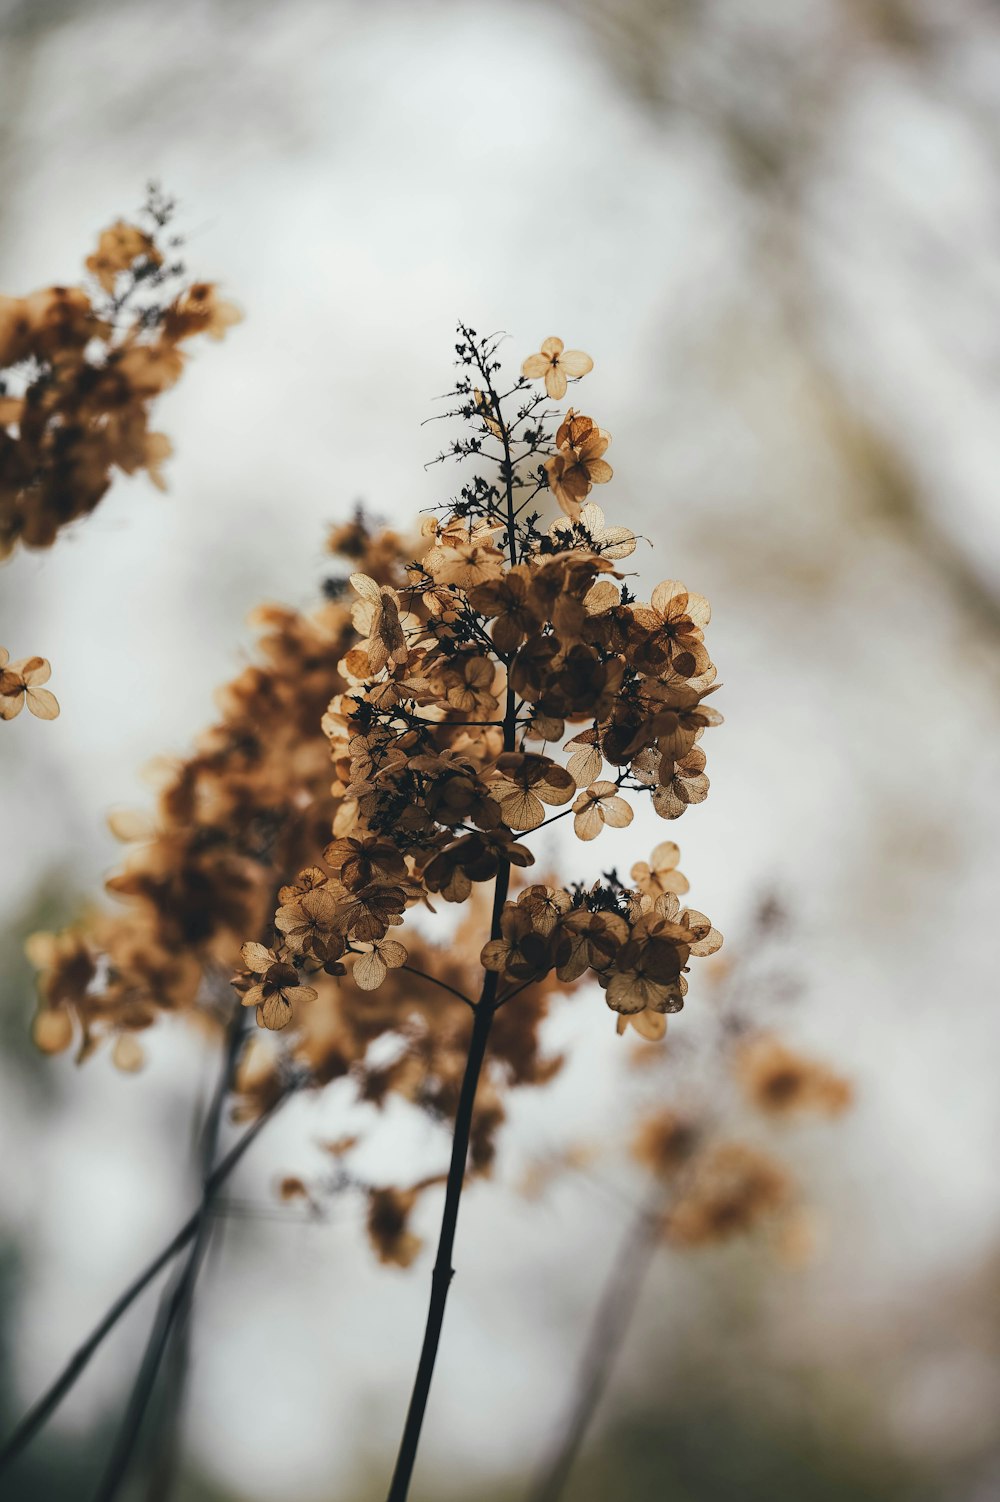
790 291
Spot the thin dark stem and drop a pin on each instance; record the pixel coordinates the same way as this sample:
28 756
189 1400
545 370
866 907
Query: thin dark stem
483 1020
443 1271
607 1333
443 984
42 1410
175 1304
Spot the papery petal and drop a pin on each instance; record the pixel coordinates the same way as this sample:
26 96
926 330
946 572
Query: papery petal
257 957
35 670
649 1025
370 970
576 363
555 383
274 1013
43 705
617 813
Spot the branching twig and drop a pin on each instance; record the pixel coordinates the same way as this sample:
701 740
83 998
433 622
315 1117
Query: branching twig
484 1012
174 1305
39 1414
606 1335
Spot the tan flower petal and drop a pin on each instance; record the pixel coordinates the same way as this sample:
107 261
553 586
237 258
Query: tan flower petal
128 1054
555 383
576 363
274 1013
42 704
257 958
370 970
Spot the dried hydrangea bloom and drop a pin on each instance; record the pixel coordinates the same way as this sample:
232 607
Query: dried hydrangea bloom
80 368
21 684
781 1082
553 364
578 463
597 806
498 636
660 874
665 1141
271 985
730 1188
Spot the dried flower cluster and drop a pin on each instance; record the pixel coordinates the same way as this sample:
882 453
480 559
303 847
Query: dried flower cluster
21 685
80 367
492 679
466 683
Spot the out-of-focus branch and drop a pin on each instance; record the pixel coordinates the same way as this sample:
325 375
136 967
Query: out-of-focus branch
39 1414
611 1322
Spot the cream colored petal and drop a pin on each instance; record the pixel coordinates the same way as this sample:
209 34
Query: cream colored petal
253 997
522 810
52 1030
535 367
710 943
555 383
43 705
665 593
256 958
11 705
128 1054
296 994
131 825
393 953
274 1013
576 363
370 970
599 471
4 657
617 813
41 949
34 670
650 1025
665 856
367 588
583 766
552 346
587 821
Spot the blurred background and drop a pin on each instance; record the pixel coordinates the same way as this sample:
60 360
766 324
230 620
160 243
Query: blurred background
776 228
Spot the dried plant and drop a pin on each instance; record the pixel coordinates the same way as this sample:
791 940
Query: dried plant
465 681
80 367
21 684
708 1182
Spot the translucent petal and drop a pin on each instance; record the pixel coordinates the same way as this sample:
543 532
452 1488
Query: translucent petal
370 970
555 383
576 363
617 813
43 705
257 958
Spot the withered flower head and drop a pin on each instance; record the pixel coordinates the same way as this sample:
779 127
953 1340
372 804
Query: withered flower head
21 684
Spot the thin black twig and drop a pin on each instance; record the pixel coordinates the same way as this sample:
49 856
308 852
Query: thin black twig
42 1410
